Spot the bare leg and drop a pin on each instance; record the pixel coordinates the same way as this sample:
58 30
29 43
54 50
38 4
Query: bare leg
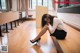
45 28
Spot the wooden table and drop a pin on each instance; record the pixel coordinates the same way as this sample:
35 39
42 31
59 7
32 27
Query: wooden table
8 17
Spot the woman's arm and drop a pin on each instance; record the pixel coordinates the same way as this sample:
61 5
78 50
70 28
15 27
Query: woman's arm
54 27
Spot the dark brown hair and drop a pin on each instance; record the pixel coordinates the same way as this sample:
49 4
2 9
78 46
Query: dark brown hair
45 16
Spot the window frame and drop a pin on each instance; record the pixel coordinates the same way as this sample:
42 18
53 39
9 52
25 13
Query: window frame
5 5
42 4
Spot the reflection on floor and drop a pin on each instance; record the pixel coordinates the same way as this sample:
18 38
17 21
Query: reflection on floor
20 36
72 43
19 40
5 39
4 43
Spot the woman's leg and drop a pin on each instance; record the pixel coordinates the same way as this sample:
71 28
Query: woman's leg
45 28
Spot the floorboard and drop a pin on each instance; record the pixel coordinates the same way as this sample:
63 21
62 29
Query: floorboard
18 40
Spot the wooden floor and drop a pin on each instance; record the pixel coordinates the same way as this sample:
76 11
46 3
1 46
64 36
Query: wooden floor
72 43
18 40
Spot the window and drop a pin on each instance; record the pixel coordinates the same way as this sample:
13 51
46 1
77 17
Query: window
34 3
50 6
45 3
39 2
2 4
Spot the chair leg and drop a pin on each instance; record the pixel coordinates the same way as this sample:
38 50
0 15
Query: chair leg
11 26
1 32
15 23
21 20
18 22
7 28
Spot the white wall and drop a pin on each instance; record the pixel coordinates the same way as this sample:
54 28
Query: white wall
72 19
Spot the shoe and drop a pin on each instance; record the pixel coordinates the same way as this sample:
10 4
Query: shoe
35 40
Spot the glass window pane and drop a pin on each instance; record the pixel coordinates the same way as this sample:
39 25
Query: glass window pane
33 4
0 4
50 6
39 2
3 3
45 3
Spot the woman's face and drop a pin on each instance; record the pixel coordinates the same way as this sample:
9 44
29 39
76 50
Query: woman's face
47 20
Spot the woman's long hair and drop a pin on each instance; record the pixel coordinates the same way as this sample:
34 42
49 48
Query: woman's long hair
43 19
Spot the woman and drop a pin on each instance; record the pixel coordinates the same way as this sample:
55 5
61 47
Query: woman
53 25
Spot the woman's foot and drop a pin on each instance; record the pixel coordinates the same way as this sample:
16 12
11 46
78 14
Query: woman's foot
32 41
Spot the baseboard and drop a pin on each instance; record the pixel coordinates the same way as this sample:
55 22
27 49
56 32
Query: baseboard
72 26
